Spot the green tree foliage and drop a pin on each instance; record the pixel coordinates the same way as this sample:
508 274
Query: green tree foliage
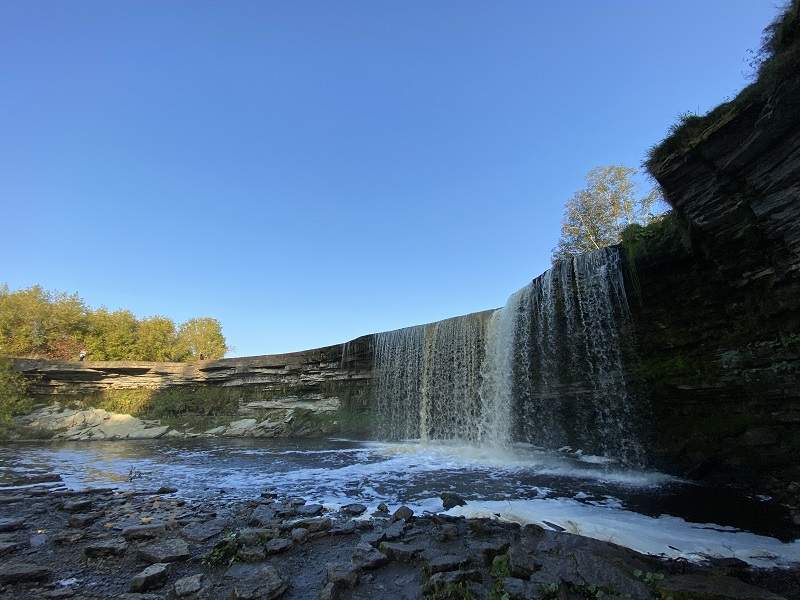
158 340
201 336
36 323
595 216
14 399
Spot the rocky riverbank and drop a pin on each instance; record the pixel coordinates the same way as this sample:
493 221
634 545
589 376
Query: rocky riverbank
102 543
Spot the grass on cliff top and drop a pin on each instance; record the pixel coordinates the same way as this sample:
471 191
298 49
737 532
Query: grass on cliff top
775 62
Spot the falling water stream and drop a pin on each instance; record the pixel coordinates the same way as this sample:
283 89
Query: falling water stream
547 369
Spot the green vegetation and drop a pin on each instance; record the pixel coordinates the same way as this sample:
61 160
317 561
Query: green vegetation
36 323
14 399
595 216
775 62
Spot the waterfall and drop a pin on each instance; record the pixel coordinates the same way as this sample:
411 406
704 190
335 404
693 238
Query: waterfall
547 369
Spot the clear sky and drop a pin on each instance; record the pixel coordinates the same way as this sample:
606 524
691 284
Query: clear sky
307 172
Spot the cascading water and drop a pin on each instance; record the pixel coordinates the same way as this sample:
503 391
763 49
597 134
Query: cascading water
547 369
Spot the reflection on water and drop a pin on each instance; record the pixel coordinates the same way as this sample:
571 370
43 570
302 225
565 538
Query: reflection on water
343 471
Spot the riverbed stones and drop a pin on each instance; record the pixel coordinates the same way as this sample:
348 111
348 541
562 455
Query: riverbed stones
24 573
366 556
400 551
147 531
263 514
11 524
445 562
186 586
153 577
403 513
309 510
107 547
200 532
79 505
354 509
165 551
266 583
278 545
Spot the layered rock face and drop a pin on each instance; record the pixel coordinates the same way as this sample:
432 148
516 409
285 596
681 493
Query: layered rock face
269 390
718 321
738 187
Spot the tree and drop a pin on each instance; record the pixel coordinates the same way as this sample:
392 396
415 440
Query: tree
157 339
201 337
595 216
112 335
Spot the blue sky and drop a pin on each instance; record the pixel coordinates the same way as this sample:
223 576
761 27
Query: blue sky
311 171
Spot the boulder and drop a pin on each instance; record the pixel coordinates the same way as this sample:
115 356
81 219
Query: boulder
266 583
153 577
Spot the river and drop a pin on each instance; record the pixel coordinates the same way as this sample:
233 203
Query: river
644 510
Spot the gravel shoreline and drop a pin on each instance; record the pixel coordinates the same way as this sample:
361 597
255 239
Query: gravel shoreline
57 543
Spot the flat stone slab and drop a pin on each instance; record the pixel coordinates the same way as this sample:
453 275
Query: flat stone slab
24 573
265 583
11 524
278 545
366 556
113 547
144 532
200 532
166 551
400 551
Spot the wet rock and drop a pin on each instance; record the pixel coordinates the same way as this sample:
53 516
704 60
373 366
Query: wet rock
445 562
445 532
300 535
345 528
314 525
382 508
445 579
395 531
166 551
24 573
367 556
9 547
11 524
342 575
266 583
186 586
147 531
38 540
251 554
200 532
68 536
354 509
78 506
520 588
284 510
263 515
403 513
258 536
153 577
83 519
112 547
167 489
490 550
310 510
400 551
521 564
451 500
373 538
278 545
703 587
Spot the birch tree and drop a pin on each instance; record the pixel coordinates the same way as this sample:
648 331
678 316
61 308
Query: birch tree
595 216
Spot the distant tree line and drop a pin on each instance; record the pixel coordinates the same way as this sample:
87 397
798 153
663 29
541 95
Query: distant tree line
37 323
